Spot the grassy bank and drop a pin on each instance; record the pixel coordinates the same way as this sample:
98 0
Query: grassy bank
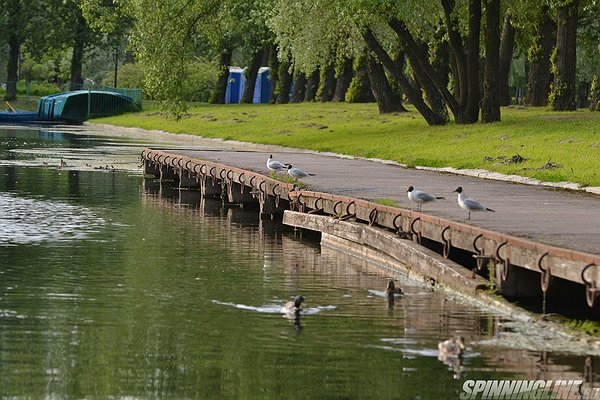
532 142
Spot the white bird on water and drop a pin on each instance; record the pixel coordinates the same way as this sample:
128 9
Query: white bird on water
420 197
274 165
469 204
297 173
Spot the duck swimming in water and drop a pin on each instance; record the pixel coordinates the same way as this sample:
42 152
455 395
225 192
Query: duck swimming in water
391 290
453 347
292 307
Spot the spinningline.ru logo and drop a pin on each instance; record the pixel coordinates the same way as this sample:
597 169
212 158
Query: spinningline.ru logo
522 389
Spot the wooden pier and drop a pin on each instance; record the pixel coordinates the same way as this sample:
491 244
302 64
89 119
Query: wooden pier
522 266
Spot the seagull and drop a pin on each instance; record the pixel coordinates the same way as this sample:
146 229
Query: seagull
296 172
469 204
274 165
421 198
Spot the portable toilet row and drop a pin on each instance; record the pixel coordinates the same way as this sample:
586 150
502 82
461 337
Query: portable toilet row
236 83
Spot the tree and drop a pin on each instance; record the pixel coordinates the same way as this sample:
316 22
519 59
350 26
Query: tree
490 106
507 43
563 89
540 75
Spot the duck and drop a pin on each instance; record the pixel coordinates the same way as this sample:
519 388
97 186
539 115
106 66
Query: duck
274 165
391 290
419 197
469 204
452 347
292 307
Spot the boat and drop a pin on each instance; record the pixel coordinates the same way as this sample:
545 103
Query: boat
18 117
80 105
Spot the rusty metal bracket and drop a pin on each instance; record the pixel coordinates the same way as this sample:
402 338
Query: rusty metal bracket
480 256
591 291
213 175
335 208
317 208
447 242
504 260
277 195
546 276
348 214
416 235
299 204
242 181
260 191
373 217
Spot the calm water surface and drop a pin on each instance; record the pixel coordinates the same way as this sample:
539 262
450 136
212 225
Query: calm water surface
115 288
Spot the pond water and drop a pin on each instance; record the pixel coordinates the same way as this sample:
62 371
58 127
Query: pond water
112 287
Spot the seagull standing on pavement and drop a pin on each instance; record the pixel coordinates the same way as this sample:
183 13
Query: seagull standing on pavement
469 204
274 165
297 173
420 197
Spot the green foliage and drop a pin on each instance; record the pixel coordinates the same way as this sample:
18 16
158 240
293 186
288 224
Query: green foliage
586 326
34 89
128 76
200 82
566 138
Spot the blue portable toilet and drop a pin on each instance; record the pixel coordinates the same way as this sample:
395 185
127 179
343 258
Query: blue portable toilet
262 88
235 85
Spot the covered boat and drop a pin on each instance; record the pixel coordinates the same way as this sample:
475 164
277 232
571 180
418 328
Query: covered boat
80 105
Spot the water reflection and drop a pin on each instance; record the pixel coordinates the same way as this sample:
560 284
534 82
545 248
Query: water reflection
162 294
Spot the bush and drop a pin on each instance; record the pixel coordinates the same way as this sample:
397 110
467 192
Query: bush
129 76
200 82
36 89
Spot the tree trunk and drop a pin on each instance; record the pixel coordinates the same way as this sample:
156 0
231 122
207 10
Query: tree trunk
274 74
490 106
13 11
284 84
413 95
343 80
507 44
387 100
327 86
471 113
564 91
79 43
12 70
251 74
458 60
595 94
224 63
299 87
312 85
540 75
436 92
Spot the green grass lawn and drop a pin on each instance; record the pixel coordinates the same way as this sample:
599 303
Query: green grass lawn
569 140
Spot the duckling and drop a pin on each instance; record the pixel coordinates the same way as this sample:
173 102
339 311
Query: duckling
292 306
391 290
453 347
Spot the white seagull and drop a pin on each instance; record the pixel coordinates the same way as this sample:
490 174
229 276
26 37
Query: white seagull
274 165
420 197
297 173
469 204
